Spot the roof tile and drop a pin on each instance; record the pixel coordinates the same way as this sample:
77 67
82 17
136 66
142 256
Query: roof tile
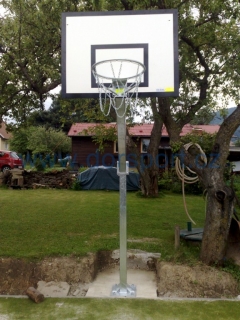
141 130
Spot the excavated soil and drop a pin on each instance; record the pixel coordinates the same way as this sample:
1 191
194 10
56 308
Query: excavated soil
195 282
199 281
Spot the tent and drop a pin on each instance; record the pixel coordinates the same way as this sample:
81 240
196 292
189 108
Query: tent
106 178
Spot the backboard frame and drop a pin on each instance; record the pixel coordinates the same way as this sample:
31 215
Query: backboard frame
68 51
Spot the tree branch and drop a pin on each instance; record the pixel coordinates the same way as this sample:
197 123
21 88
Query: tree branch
203 83
51 86
213 17
127 5
182 3
197 52
164 111
161 4
220 149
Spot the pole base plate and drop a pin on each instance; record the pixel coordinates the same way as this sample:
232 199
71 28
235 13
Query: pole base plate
119 290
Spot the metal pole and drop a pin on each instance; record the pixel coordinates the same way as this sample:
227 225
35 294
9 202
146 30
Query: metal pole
121 128
123 289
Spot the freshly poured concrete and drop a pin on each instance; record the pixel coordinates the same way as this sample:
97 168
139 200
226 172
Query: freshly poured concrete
145 282
140 266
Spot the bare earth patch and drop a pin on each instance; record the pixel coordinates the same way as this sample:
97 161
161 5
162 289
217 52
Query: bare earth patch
194 282
172 280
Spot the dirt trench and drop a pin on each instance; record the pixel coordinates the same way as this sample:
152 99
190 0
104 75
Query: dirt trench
172 280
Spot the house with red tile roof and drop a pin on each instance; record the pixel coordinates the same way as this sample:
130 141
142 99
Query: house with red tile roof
85 152
4 137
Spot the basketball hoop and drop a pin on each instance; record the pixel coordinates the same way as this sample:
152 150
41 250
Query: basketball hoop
117 78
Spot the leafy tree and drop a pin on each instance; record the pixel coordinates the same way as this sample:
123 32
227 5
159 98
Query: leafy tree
19 140
48 141
101 135
210 60
39 140
209 64
204 139
204 116
80 110
55 117
209 70
30 54
237 143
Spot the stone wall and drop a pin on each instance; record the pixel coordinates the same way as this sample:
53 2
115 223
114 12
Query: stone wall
32 179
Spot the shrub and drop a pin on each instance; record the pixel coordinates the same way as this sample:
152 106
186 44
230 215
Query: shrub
39 164
169 180
76 185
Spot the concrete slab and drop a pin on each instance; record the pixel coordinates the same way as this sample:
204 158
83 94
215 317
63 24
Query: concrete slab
138 259
53 289
145 282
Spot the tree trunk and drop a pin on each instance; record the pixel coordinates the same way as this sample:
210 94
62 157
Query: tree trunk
151 168
149 181
219 209
148 164
35 295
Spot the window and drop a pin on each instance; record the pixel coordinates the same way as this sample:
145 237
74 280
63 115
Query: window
115 147
14 155
6 145
144 145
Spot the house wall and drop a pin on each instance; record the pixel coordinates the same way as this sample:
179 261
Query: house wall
4 145
85 153
4 137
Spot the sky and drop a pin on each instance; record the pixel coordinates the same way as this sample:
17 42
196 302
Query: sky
2 11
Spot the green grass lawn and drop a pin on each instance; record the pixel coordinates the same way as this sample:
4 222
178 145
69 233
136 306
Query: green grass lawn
119 309
39 223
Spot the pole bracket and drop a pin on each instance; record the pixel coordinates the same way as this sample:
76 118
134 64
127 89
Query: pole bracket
123 173
119 290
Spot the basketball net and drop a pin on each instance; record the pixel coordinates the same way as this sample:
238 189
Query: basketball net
117 78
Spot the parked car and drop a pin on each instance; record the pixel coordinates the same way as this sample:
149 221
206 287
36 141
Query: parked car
10 160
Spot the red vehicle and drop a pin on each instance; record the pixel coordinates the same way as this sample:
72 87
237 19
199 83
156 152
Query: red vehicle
10 160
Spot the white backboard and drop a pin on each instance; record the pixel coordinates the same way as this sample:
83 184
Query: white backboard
150 37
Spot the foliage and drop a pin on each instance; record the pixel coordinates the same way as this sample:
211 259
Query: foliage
233 269
228 172
47 141
235 182
39 164
237 143
40 140
76 186
165 180
102 134
31 38
169 180
204 116
30 50
176 146
76 110
30 59
19 140
204 140
81 169
54 117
